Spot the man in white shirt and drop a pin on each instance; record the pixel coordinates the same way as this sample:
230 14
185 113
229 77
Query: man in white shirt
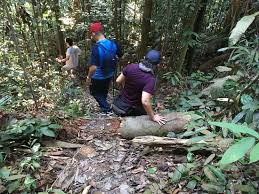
72 55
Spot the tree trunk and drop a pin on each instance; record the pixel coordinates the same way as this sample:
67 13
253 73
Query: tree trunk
146 28
60 35
197 28
115 20
232 15
140 126
164 43
188 24
76 10
20 54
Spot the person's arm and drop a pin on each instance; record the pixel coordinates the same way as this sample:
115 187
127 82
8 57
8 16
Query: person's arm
146 99
79 51
91 71
64 59
93 62
121 80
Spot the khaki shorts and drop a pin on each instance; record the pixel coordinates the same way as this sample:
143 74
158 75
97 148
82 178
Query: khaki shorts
69 67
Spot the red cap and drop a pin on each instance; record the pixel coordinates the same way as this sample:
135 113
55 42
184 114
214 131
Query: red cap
96 27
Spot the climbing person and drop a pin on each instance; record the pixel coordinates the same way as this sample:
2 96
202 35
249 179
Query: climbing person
102 66
138 85
71 59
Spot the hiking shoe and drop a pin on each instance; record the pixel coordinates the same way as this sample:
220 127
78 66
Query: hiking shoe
109 113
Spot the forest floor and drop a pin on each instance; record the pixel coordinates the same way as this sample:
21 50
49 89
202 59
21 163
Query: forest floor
90 154
104 162
90 157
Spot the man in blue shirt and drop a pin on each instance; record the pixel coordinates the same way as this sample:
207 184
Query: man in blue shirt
103 61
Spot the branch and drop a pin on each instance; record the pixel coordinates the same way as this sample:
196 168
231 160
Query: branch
250 84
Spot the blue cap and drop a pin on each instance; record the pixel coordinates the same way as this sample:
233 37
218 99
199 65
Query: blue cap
153 57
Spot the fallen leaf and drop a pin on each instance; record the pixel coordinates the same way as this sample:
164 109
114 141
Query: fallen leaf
138 170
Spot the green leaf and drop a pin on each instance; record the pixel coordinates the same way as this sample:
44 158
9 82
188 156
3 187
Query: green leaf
176 176
235 128
237 151
5 172
189 156
35 148
15 177
13 186
217 172
47 132
209 174
57 191
29 182
1 158
245 188
240 28
152 170
192 184
54 126
249 117
245 99
212 188
254 154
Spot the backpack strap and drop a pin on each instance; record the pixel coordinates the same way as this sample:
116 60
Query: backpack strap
105 49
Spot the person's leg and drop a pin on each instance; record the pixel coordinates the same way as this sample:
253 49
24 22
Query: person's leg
138 111
119 107
99 90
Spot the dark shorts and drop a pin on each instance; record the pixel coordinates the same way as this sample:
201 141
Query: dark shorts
122 108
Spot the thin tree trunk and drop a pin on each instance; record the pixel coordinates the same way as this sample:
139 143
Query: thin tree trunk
76 10
146 27
120 18
197 28
115 19
166 30
122 22
188 24
232 15
60 35
20 55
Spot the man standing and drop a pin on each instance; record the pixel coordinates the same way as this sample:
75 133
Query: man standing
72 55
138 82
103 61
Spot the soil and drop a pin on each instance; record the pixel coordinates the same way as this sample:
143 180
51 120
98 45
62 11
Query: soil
106 163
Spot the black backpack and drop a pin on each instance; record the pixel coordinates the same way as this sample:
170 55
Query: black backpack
110 58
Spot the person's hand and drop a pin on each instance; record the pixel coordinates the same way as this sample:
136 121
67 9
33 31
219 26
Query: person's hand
159 119
58 60
88 81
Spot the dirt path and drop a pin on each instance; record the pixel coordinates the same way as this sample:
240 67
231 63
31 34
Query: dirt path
108 164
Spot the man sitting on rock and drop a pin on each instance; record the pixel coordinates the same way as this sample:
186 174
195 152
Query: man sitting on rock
138 83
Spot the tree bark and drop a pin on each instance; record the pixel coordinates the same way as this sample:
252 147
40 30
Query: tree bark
215 144
60 35
19 52
188 24
232 15
76 10
115 20
140 126
146 27
197 28
210 64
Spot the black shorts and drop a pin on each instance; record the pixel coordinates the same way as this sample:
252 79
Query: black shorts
122 108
